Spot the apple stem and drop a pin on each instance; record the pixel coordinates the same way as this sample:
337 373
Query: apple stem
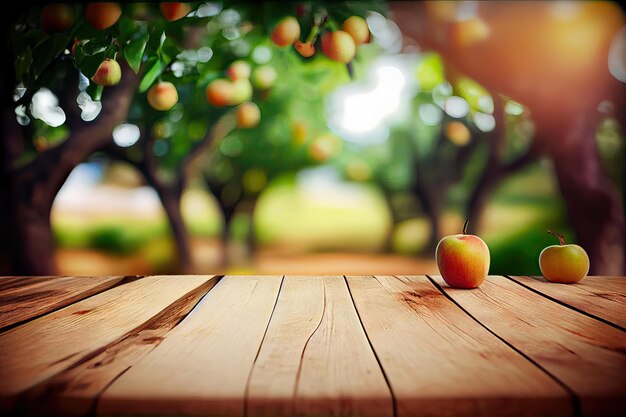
318 20
465 226
559 235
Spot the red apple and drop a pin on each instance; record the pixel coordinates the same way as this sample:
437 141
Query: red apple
57 17
305 49
286 32
174 10
220 92
565 264
102 15
108 73
463 260
248 115
162 96
338 46
238 70
357 27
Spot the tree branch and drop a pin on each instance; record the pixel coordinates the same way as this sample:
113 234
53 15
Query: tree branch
215 132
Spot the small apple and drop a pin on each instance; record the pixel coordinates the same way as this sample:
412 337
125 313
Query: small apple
463 260
286 32
102 15
356 27
305 49
324 147
57 17
468 32
242 91
458 133
248 115
238 70
220 92
174 10
299 132
108 73
162 96
264 77
338 46
565 264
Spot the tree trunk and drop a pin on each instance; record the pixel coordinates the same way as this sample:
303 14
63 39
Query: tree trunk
593 203
170 196
34 186
431 205
34 245
387 196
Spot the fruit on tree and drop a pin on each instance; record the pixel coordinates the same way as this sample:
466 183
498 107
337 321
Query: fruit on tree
108 73
102 15
324 147
338 46
356 27
457 133
305 49
248 115
463 260
174 10
162 96
219 92
263 77
286 32
468 32
242 91
57 17
238 70
299 132
565 264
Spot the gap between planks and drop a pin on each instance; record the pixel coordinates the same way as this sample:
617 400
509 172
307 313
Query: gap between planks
587 355
569 304
575 399
50 296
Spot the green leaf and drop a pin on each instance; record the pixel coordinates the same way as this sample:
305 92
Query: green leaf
22 66
88 63
133 52
95 91
46 51
156 67
127 28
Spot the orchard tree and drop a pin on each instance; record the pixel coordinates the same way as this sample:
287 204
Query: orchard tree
296 137
99 61
568 83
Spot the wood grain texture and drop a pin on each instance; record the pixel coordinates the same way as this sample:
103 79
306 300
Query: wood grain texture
73 392
440 362
601 297
41 348
315 359
585 354
23 298
203 366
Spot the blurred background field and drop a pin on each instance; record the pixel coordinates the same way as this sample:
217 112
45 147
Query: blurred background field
106 227
269 161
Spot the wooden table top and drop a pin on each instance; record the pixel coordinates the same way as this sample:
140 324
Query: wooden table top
311 345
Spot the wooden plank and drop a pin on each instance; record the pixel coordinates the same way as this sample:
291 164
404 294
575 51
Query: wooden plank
23 298
203 366
585 354
591 295
41 348
315 358
440 362
73 392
